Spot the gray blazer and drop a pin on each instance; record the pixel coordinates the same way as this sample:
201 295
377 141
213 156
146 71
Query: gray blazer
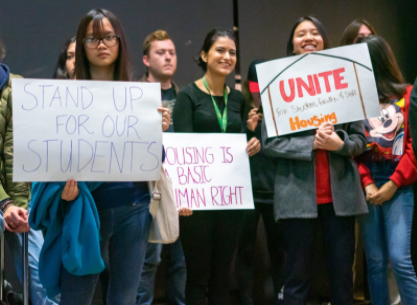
295 178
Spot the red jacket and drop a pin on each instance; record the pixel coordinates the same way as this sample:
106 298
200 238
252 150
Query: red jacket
406 170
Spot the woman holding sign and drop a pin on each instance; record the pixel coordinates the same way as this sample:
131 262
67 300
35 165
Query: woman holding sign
122 207
317 183
209 106
388 170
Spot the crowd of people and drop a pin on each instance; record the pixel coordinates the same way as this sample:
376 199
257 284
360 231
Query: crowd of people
325 179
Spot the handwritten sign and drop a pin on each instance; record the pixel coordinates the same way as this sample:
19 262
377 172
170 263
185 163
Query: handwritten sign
209 171
86 130
300 92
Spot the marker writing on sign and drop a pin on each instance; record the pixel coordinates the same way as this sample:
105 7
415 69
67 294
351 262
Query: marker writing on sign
72 96
313 87
193 198
315 121
196 175
188 155
48 96
106 153
219 195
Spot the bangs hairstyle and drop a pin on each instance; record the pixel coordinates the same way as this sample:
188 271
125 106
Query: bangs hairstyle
210 39
82 66
389 80
320 27
159 35
352 30
61 68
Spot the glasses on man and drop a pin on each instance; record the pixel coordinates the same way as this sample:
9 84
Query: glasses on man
109 41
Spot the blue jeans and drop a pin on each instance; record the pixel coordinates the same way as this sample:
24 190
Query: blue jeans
124 235
175 277
77 290
386 232
37 294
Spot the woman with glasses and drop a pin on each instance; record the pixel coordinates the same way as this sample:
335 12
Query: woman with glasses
123 207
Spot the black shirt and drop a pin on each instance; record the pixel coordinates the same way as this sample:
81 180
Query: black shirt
194 111
168 101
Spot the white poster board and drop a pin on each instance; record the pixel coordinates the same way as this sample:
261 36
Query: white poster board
209 171
86 130
300 92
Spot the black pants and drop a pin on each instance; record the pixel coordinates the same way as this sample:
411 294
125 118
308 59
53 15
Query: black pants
339 243
209 240
246 249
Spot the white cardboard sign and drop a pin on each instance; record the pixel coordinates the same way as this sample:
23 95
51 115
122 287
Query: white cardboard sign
86 130
209 171
300 92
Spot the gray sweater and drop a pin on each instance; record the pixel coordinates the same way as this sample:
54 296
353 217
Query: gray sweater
295 178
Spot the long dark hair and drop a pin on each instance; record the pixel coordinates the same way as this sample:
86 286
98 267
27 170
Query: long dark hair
82 66
60 68
389 80
210 39
352 30
320 27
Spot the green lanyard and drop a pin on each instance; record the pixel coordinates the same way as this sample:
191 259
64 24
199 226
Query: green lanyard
222 119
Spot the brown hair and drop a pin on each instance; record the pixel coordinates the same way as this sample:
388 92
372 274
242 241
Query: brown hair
82 66
320 27
157 35
352 30
389 80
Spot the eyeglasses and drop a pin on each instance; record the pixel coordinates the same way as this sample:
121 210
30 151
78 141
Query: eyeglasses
109 41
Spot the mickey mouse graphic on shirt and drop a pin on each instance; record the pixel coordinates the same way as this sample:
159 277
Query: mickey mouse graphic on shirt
386 132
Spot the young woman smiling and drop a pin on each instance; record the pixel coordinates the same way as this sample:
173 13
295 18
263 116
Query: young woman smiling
317 183
388 170
209 106
123 207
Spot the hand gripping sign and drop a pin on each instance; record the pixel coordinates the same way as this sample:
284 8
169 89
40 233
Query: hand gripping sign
209 171
86 130
301 92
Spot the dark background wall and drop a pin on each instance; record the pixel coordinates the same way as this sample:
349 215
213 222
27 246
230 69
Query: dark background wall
34 31
265 25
